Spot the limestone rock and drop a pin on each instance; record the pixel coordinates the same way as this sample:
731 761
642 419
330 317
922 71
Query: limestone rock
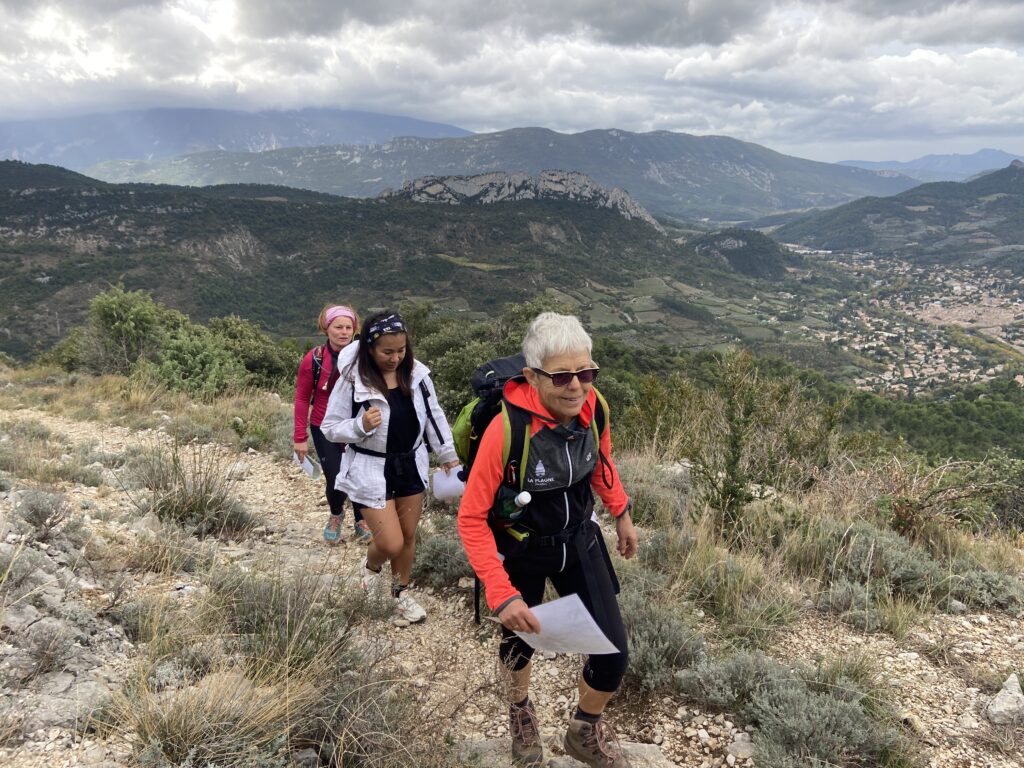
148 523
1007 707
237 471
742 747
498 187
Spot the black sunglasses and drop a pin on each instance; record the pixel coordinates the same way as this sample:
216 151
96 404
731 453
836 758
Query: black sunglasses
562 378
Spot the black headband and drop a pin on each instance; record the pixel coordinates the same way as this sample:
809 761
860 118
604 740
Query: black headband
389 324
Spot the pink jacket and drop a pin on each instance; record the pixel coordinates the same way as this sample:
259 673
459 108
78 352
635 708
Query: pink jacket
304 388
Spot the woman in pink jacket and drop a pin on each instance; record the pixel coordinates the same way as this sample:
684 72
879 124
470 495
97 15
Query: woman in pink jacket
318 372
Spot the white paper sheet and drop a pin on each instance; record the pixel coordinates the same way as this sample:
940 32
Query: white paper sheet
306 464
448 486
567 627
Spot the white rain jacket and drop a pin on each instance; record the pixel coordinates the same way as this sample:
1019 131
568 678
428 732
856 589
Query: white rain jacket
362 476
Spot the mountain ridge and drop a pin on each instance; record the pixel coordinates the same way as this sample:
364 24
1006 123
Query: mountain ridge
951 167
489 188
981 220
676 175
83 141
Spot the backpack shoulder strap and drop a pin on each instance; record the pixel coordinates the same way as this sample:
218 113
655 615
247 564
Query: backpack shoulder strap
516 425
598 426
425 391
318 366
599 423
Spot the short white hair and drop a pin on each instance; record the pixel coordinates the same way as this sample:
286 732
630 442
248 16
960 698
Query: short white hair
553 334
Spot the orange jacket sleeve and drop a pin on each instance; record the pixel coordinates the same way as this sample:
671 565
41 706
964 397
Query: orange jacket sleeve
476 534
605 480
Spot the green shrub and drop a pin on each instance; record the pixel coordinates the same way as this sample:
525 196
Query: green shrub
150 468
286 620
815 728
975 585
122 327
197 497
892 570
803 716
662 640
169 551
49 643
16 566
734 588
661 495
44 512
269 365
194 361
142 620
440 559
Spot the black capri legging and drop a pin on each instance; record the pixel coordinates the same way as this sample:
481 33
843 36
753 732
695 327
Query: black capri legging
528 573
330 462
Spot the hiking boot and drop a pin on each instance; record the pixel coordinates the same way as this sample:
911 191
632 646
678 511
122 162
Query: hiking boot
369 579
409 609
332 531
363 533
594 744
527 749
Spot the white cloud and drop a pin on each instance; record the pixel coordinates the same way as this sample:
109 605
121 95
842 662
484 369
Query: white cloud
822 77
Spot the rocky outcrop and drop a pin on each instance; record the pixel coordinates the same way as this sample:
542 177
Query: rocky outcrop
502 187
1007 707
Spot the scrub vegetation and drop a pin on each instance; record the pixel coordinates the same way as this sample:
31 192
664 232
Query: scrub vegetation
761 506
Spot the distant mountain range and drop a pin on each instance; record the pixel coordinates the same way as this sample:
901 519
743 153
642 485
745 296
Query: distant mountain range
942 167
672 174
979 221
82 142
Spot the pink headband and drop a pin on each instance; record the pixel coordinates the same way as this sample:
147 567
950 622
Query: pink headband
334 313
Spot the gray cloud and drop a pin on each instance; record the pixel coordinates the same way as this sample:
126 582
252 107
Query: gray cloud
820 74
645 22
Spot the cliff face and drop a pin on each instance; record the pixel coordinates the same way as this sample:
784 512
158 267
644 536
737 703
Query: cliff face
496 187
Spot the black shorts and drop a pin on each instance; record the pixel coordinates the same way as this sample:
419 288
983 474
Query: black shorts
401 478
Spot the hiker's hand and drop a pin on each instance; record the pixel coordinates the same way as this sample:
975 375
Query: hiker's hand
518 617
371 418
627 535
448 466
301 449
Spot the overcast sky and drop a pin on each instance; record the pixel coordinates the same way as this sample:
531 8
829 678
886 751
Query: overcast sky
825 79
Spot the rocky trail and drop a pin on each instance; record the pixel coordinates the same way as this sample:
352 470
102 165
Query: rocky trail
944 673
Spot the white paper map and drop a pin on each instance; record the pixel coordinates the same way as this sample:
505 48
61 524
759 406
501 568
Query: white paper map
567 627
306 464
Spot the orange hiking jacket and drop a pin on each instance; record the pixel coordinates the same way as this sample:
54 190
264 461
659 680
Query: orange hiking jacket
486 477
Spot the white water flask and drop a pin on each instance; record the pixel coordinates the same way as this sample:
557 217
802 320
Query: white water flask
447 484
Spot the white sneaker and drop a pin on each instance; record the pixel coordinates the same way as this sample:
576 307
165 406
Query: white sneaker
409 609
369 579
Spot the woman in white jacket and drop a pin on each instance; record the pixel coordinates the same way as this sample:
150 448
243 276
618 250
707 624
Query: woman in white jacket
384 406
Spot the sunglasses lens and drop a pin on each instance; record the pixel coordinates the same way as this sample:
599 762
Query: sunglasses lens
564 378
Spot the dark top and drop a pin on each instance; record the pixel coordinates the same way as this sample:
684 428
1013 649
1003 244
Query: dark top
403 426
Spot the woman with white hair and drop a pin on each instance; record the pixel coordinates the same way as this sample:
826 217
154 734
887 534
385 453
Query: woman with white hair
554 537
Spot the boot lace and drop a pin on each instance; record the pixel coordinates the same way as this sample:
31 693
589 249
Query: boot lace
603 742
524 725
